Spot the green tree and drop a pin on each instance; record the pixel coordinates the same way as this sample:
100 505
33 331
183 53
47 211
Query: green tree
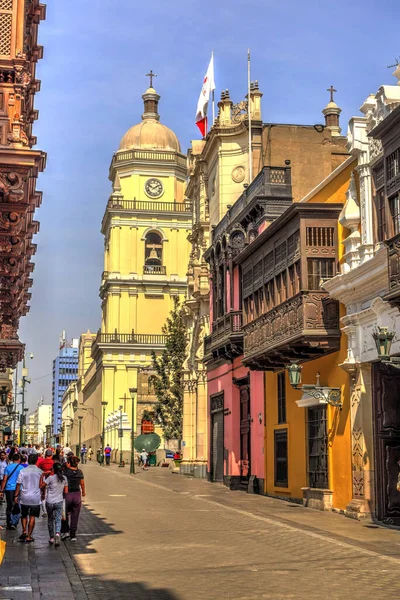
168 378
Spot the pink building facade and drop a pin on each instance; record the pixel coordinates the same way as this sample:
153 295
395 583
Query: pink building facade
236 395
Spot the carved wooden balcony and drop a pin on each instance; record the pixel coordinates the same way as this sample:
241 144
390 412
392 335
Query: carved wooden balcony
287 314
393 295
304 327
226 338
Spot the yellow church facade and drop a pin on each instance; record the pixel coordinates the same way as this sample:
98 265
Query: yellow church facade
145 226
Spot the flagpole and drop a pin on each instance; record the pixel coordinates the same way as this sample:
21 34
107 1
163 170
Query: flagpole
249 116
213 100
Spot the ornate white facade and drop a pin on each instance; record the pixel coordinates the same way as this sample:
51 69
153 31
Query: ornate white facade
361 286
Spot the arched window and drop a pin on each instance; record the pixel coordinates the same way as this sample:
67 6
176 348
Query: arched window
153 257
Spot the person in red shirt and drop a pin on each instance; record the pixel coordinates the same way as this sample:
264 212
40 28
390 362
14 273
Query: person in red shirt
46 463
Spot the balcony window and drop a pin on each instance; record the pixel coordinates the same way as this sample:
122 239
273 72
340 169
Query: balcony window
394 204
392 164
319 269
380 205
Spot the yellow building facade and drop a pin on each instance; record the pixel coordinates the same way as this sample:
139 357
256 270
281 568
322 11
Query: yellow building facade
145 226
301 434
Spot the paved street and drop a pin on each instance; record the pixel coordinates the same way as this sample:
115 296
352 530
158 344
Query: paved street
159 536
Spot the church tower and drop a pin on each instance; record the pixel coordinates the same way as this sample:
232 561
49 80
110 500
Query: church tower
145 226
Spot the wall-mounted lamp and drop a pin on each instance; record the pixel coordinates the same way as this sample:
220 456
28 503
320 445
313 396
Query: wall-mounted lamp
383 341
260 418
323 394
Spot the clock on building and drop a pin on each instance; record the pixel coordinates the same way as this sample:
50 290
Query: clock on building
154 188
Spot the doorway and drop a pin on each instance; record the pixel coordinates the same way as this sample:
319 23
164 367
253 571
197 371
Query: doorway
217 438
386 417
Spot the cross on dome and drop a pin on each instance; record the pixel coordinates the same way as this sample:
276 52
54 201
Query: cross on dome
331 90
151 75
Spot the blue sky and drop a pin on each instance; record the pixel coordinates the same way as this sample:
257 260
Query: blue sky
96 55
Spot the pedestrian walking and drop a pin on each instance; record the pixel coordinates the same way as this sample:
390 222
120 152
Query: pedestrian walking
144 458
107 454
90 453
73 499
83 454
8 486
28 488
56 486
46 465
3 464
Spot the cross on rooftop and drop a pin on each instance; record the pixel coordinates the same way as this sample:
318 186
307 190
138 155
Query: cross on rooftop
151 75
331 90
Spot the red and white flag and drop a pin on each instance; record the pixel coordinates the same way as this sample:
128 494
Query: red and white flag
202 105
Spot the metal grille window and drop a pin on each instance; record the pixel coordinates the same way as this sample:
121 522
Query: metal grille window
317 447
394 204
319 269
281 458
281 398
379 176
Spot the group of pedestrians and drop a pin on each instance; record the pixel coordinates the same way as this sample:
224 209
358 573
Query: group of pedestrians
47 479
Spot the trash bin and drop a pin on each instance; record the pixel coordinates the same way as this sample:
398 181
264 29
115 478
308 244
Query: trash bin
152 460
100 457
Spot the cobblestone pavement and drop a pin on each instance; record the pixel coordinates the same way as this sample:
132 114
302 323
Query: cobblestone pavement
159 536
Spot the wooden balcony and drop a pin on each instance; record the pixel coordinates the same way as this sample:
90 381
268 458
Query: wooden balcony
304 327
226 338
287 313
393 295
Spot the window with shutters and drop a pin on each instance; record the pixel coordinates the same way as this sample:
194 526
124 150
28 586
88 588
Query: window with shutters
281 458
6 24
281 398
317 447
318 270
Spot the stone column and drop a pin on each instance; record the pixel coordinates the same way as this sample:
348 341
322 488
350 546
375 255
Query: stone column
367 238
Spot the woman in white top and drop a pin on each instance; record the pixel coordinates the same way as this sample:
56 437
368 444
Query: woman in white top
57 487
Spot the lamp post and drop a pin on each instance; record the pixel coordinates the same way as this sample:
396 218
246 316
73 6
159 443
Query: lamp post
121 437
133 392
80 433
24 380
104 404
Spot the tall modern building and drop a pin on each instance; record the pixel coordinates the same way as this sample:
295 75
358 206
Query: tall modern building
65 370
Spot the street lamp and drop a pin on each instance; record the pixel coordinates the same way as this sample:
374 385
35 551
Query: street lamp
323 394
104 404
24 380
383 340
121 435
133 392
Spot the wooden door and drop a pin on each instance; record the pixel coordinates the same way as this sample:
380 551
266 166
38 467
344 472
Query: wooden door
386 416
245 435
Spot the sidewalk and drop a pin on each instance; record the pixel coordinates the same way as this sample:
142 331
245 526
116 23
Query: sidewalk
37 571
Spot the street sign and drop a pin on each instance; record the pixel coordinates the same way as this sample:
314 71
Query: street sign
120 433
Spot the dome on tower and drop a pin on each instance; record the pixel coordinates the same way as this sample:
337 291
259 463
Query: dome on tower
150 134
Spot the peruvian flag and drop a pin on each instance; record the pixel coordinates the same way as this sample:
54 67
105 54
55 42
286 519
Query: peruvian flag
204 98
